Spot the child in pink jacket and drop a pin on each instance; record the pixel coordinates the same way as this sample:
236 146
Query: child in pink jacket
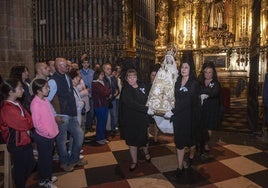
46 129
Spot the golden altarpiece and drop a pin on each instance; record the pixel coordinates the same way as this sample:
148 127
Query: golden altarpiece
231 33
217 30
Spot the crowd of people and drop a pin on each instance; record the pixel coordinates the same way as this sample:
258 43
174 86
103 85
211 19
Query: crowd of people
65 99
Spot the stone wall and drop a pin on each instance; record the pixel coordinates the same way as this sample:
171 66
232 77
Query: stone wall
16 35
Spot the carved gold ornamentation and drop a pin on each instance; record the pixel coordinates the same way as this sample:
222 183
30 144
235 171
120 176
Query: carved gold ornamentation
210 26
162 28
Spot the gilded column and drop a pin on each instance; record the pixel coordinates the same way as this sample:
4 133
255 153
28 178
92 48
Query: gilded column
264 22
188 22
264 40
128 26
161 41
230 16
244 22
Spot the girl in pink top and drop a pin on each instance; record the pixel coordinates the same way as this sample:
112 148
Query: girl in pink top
46 129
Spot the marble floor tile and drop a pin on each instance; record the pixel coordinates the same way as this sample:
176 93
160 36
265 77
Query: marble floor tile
159 150
243 165
103 174
73 179
240 182
242 150
165 163
261 178
100 159
115 184
143 169
118 145
189 178
208 186
220 153
93 148
258 158
153 181
172 147
216 172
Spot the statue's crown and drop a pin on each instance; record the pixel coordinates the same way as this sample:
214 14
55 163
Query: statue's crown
170 52
172 49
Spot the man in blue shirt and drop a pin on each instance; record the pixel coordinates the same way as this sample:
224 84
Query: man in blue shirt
87 76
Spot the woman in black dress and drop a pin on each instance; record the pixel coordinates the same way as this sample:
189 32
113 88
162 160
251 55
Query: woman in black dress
186 112
211 100
134 118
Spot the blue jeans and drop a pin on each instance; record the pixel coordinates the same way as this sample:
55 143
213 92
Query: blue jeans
70 124
71 138
113 114
90 115
102 115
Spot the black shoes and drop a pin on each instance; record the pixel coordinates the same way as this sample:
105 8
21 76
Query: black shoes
132 167
178 172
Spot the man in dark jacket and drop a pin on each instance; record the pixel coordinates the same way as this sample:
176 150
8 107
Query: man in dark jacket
63 100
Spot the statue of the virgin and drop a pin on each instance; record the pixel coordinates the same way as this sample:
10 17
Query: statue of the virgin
161 96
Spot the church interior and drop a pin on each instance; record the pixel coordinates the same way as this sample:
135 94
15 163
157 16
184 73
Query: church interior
231 33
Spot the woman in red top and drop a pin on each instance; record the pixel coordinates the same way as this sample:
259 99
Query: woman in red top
100 95
15 124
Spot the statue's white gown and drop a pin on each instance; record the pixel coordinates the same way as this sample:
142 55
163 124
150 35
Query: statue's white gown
161 97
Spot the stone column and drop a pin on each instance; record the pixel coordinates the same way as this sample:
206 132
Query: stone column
16 35
253 89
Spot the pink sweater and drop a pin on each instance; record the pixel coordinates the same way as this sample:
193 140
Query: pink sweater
43 118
